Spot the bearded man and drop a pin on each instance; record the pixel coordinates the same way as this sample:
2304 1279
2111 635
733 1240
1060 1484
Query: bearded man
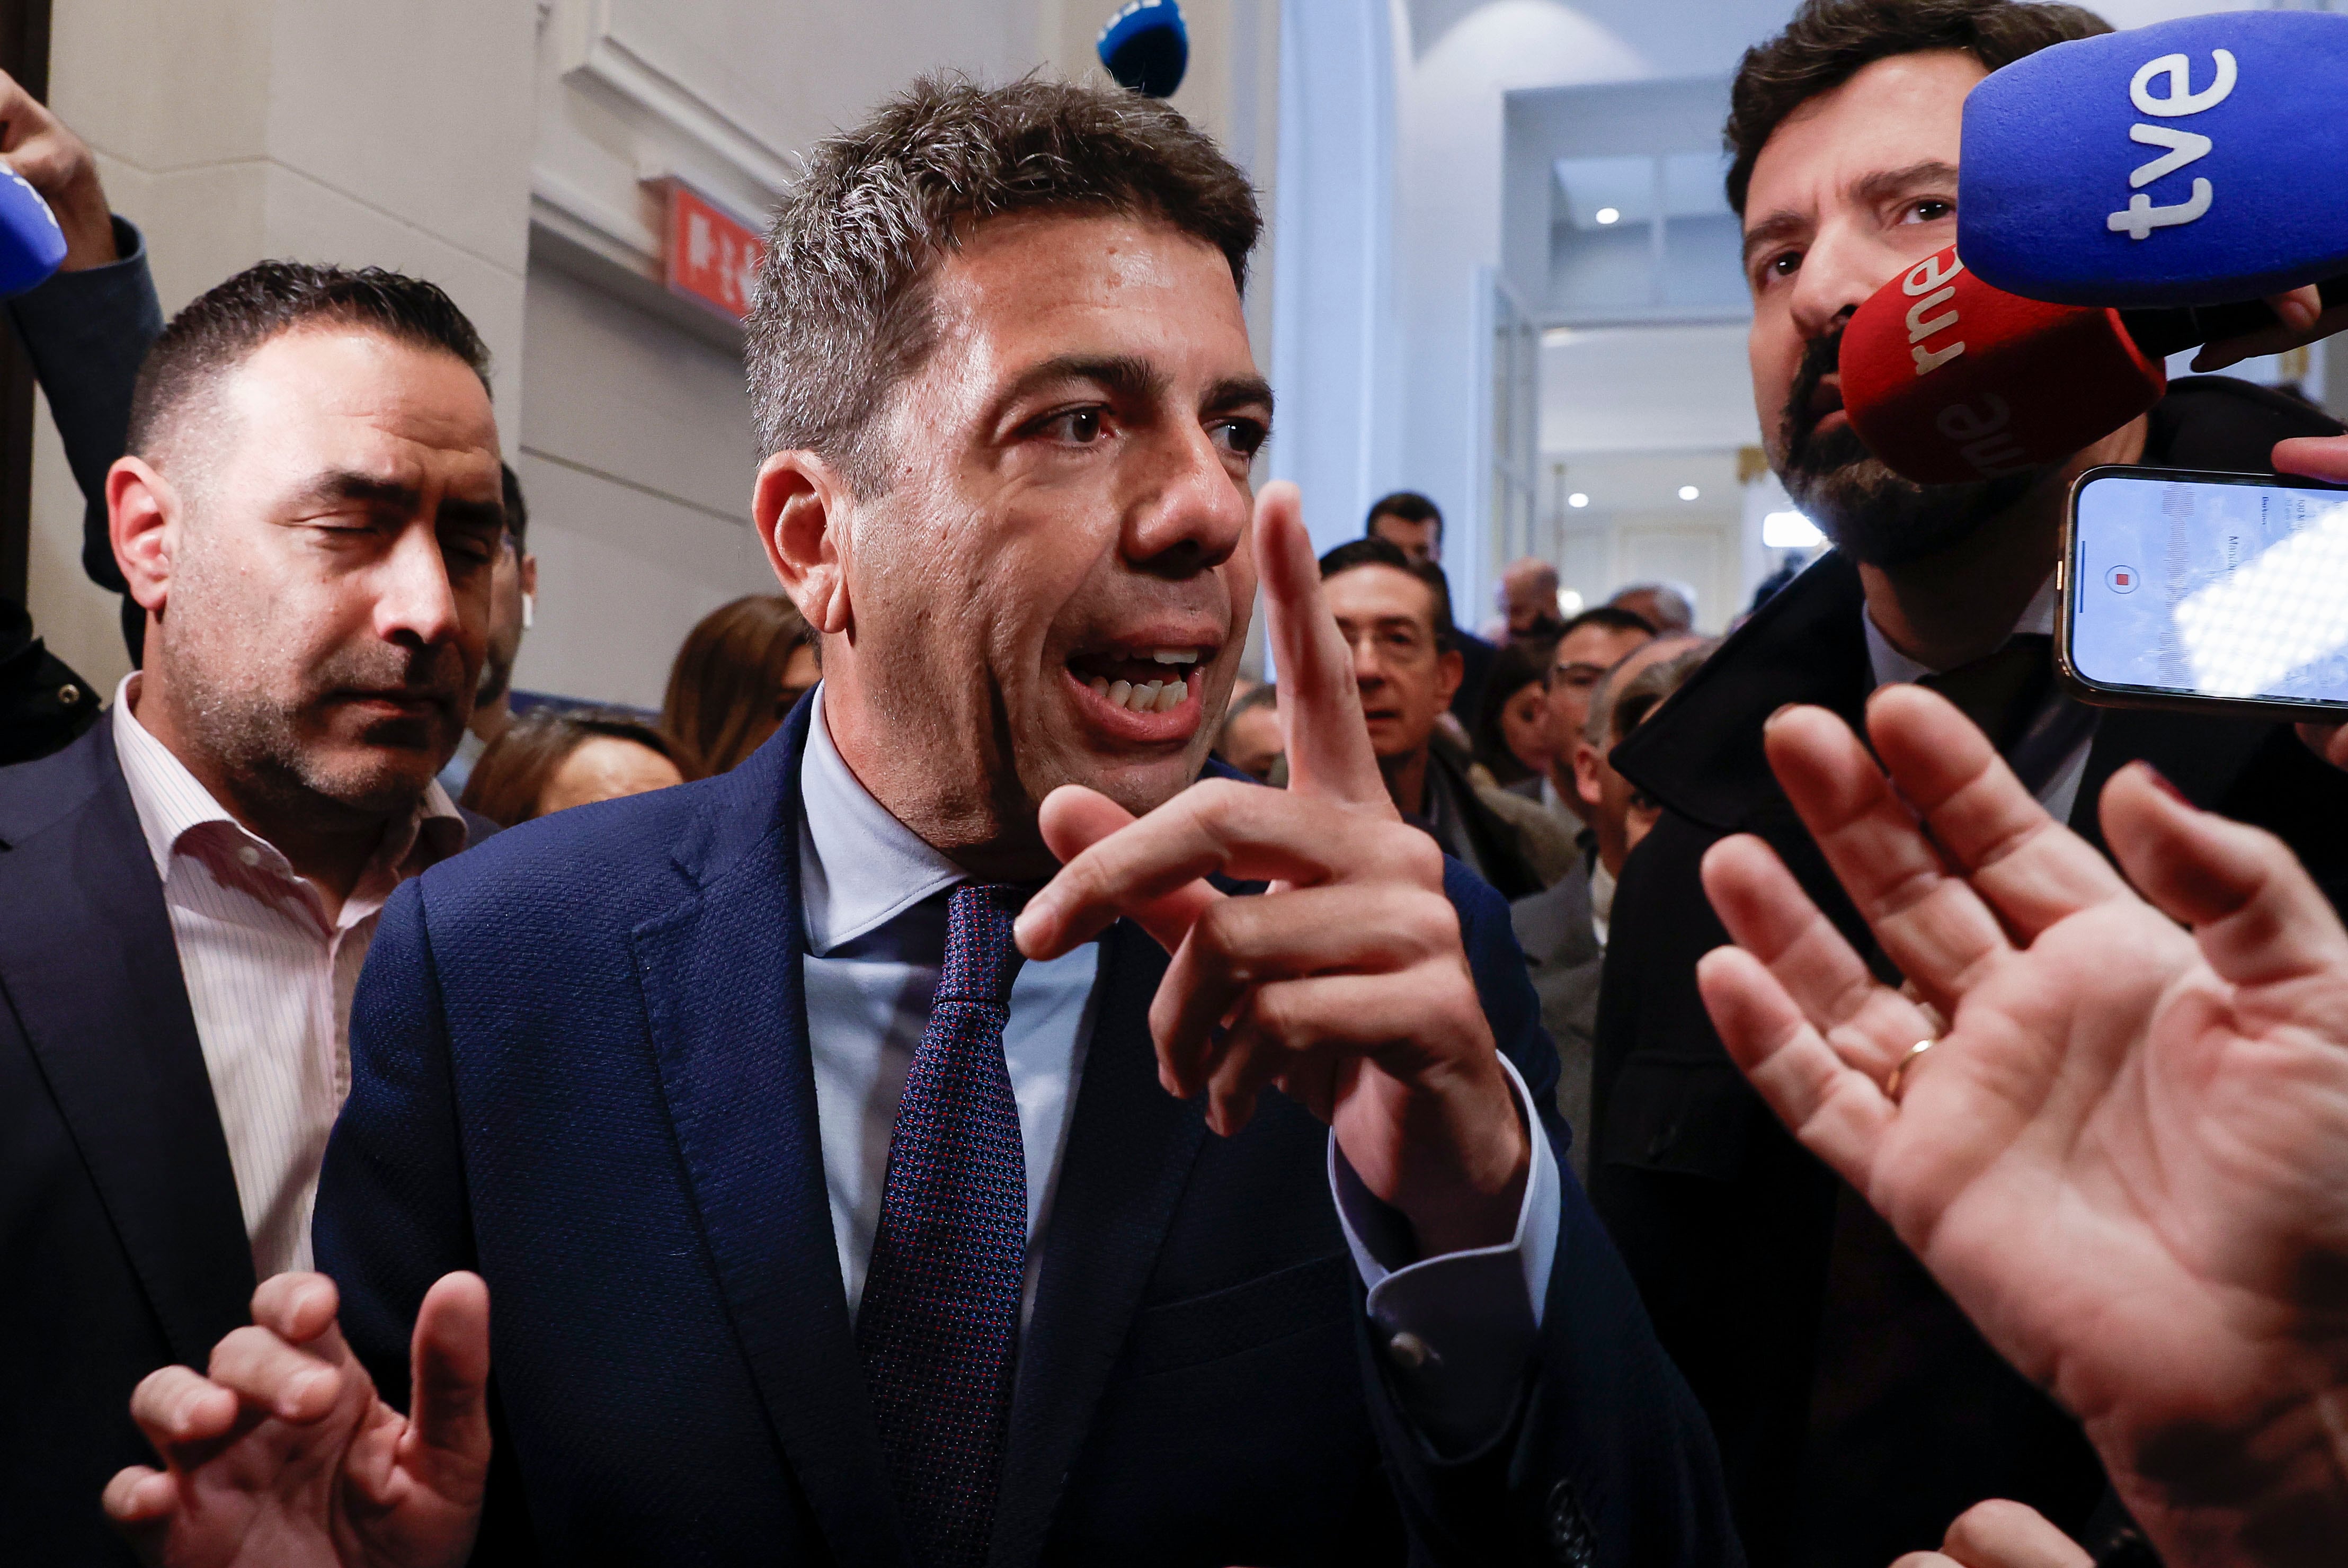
1858 1412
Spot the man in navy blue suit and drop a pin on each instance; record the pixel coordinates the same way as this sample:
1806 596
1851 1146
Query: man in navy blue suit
867 1149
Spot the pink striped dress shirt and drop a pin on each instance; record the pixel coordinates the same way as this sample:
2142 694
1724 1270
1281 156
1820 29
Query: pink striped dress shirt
269 975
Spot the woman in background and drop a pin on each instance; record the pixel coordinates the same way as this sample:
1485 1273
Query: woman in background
742 668
548 760
1512 729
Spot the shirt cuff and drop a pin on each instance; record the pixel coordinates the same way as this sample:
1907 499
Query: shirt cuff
1458 1328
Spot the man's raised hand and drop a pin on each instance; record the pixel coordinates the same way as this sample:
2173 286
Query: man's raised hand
2127 1156
1345 985
284 1456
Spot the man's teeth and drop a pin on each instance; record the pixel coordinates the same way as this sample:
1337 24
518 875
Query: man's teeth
1175 655
1150 696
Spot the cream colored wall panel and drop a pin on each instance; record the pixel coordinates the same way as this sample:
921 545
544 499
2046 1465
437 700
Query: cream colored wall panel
1704 554
622 576
74 615
312 222
421 108
619 392
165 83
202 224
755 83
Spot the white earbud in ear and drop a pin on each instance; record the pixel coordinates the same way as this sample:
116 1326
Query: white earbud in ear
528 609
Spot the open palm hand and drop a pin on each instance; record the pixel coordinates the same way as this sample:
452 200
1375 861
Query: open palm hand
2126 1154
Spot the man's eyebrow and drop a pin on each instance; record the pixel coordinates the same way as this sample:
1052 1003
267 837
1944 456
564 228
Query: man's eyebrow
1237 390
341 487
1891 183
1119 374
1779 225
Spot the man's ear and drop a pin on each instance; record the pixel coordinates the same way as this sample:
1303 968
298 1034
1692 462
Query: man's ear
143 521
801 508
1586 775
1450 669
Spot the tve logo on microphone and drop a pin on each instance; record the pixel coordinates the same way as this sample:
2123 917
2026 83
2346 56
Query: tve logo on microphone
2193 162
2141 217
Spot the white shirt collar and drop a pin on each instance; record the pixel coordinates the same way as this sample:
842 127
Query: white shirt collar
841 827
1892 667
170 802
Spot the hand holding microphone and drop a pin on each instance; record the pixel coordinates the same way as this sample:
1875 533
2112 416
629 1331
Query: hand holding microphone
53 214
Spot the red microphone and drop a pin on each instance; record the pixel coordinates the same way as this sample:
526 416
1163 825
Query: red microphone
1949 380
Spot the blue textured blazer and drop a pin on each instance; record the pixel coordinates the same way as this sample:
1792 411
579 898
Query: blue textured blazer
580 1065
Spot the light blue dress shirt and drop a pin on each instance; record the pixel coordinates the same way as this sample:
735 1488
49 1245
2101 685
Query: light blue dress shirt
1458 1328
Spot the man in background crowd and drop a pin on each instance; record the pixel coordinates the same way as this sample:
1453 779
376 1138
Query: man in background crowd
1528 603
85 330
1250 740
1592 642
1563 929
1414 525
1665 606
1858 1411
309 519
513 605
1407 671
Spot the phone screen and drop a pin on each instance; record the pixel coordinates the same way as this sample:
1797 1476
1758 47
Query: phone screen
2195 586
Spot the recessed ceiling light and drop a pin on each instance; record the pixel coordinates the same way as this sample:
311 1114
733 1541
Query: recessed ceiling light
1577 499
1689 493
1608 215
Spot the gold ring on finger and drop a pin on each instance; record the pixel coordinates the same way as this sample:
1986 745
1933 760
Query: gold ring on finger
1892 1085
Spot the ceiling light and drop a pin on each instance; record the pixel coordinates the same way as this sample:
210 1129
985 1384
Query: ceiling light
1791 530
1609 215
1577 499
1568 603
1689 493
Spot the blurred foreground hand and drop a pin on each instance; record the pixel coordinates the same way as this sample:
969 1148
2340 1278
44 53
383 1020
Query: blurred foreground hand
2127 1156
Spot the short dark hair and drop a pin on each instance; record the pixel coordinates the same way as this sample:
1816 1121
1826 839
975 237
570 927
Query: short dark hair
1372 550
1408 505
1610 615
1830 41
517 510
844 313
1613 617
226 324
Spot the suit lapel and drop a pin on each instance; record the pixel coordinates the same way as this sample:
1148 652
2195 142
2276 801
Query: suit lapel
91 971
1130 1148
727 1012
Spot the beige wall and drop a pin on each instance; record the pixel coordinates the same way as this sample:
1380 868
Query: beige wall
351 131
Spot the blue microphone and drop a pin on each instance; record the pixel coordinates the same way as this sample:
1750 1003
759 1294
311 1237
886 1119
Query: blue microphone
1146 47
2194 162
31 243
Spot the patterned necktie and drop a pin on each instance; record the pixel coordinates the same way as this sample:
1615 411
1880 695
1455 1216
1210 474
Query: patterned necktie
939 1324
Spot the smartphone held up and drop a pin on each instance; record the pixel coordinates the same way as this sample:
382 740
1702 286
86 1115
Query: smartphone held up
2187 588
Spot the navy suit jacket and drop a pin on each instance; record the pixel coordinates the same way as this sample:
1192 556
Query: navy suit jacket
580 1065
122 1242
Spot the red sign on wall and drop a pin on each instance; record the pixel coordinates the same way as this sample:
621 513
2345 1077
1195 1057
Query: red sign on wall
713 256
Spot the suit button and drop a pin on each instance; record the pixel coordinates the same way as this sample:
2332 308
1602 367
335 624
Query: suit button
1572 1542
1408 1351
68 694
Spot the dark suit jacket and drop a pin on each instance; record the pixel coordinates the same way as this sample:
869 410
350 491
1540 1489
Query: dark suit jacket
1563 954
121 1241
580 1067
1856 1411
121 1237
